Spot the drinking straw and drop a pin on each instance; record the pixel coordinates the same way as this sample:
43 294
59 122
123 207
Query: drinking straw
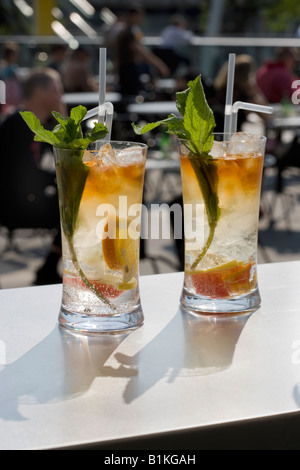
229 94
257 108
104 110
91 113
95 112
102 75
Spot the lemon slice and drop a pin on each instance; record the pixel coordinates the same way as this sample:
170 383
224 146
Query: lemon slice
120 250
127 285
110 244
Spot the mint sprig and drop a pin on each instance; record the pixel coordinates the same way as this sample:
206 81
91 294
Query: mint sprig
68 132
195 125
71 171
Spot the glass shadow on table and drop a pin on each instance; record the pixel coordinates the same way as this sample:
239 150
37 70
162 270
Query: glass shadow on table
188 346
64 365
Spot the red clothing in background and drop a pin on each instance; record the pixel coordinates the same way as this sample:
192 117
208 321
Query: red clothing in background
275 81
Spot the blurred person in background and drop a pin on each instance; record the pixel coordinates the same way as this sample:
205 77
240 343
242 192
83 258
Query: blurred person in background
245 89
28 194
75 72
132 55
275 77
58 56
175 41
110 35
9 75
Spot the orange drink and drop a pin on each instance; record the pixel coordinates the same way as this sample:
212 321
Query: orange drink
101 250
221 253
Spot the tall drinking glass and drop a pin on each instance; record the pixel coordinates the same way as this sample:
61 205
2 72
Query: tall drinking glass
100 195
221 195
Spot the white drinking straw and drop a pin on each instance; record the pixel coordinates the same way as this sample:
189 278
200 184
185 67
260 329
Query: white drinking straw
257 108
91 113
105 110
229 94
102 75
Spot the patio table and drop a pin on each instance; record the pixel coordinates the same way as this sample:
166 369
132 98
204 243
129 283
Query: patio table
178 382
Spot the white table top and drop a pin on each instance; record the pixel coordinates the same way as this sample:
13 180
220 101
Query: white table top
289 122
155 107
89 98
162 164
151 107
173 374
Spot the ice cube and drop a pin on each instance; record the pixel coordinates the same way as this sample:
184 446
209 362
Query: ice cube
86 237
129 156
242 143
218 149
107 154
104 156
88 157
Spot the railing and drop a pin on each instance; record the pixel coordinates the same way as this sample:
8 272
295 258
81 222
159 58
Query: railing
206 53
221 41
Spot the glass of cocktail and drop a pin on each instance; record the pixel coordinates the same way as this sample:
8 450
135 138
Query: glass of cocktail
100 194
221 196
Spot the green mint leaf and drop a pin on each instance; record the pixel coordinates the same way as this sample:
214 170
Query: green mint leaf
71 178
199 120
78 113
197 123
98 132
71 128
67 133
148 127
181 97
59 118
41 134
176 126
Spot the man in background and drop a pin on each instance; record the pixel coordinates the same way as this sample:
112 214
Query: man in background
28 194
275 78
132 55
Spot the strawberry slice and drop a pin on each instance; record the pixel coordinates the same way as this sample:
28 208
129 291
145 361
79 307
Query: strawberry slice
106 290
210 284
223 280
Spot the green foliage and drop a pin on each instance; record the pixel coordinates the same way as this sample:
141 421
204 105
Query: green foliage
197 121
68 132
281 16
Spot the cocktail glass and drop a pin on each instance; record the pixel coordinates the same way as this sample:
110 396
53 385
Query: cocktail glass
221 196
100 196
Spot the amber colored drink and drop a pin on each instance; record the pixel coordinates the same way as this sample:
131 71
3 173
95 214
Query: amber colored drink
224 279
101 265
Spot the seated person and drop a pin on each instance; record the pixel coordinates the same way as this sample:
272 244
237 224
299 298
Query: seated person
28 195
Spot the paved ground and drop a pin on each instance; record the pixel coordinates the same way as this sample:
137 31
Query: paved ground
279 232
